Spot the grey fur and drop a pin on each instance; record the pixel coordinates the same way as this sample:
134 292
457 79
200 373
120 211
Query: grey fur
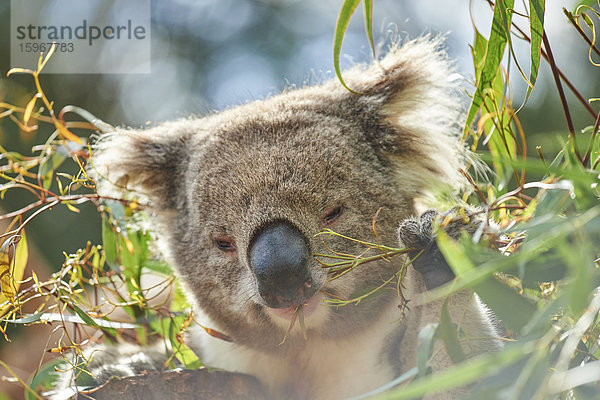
291 157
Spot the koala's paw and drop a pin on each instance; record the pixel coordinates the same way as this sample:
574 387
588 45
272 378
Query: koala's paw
418 233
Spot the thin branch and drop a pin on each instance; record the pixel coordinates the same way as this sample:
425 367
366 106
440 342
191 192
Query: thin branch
573 22
61 199
561 93
595 132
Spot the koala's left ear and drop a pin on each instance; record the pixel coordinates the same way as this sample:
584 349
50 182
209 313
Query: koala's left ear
148 162
410 109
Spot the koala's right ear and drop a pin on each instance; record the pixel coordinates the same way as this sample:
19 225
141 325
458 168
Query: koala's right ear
147 162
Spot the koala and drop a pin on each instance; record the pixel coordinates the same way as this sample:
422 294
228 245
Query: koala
237 198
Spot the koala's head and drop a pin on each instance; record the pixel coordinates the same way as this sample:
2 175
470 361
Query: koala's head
238 196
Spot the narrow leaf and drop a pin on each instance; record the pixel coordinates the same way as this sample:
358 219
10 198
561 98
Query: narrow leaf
183 353
346 12
42 64
292 323
12 268
301 321
536 23
369 23
453 253
44 379
216 334
513 309
86 318
25 320
425 348
493 56
19 71
29 108
187 357
465 373
109 240
449 336
410 374
50 165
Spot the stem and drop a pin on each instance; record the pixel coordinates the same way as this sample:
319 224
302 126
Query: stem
595 132
561 94
60 199
573 22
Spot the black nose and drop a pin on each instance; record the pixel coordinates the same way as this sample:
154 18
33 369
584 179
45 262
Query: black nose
279 257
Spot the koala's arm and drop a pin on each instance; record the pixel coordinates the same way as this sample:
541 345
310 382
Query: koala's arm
464 307
417 233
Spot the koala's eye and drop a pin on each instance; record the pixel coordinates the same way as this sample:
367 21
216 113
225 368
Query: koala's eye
225 244
331 215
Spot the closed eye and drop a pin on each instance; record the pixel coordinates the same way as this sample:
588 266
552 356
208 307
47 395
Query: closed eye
225 244
331 214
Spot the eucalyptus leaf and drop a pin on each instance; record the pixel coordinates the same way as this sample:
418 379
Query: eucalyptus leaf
346 12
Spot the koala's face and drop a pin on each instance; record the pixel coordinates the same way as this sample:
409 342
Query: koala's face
259 190
241 195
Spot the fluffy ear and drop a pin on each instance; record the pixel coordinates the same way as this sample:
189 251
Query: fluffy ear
147 162
410 108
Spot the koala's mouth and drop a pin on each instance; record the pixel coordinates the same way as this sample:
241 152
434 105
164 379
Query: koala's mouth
309 306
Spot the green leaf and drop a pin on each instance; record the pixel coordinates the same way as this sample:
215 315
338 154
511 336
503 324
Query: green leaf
346 12
513 309
86 318
590 3
51 164
478 52
493 56
543 320
159 266
536 27
188 358
448 333
369 23
454 254
25 320
579 258
180 300
589 391
109 240
12 269
110 332
45 379
134 252
425 342
408 375
185 355
462 374
547 267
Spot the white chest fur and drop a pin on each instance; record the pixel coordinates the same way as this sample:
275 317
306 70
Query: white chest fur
322 369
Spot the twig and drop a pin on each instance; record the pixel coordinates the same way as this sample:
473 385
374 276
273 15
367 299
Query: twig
573 22
60 199
561 93
588 151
